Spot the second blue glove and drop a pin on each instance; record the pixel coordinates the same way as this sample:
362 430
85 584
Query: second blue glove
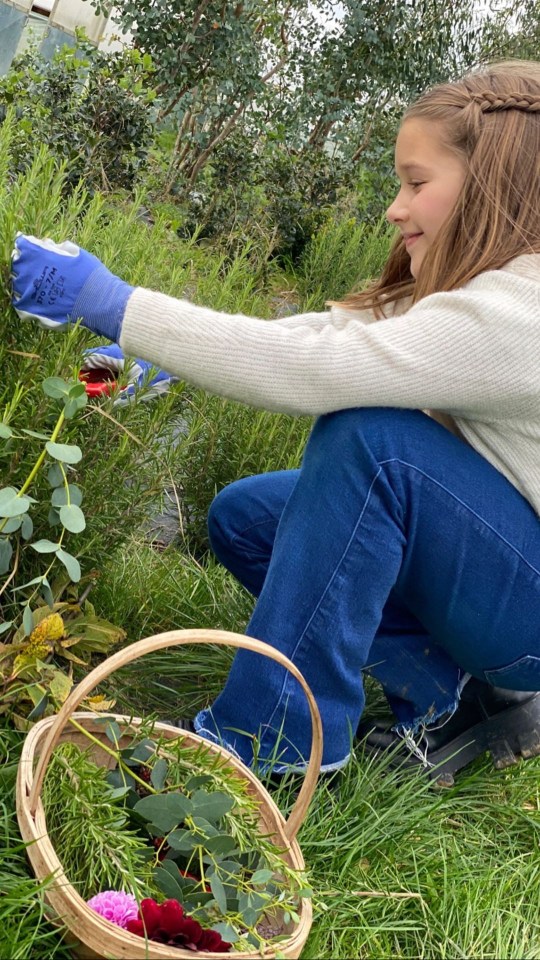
103 365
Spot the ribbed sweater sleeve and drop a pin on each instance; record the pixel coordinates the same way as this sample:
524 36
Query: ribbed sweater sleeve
471 352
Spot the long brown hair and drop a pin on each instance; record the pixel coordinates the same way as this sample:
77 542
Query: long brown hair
491 118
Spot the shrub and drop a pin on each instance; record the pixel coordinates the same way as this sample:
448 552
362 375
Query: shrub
89 108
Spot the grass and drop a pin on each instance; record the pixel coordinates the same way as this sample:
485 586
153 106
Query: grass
399 868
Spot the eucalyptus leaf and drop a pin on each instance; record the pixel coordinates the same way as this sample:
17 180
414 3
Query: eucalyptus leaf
55 475
199 780
27 527
36 434
142 752
218 892
159 774
119 778
113 732
47 593
53 517
72 518
221 846
166 877
212 806
55 387
261 877
5 431
28 621
60 495
12 505
73 404
226 932
65 452
206 828
45 546
182 840
4 627
6 553
13 524
165 810
71 564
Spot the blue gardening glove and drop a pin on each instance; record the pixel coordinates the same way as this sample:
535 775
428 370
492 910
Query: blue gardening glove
58 283
104 364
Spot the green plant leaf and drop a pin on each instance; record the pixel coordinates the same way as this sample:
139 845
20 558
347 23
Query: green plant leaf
27 527
59 497
166 877
113 732
72 518
226 932
261 877
11 505
37 712
28 621
71 564
45 546
55 475
211 806
5 431
55 387
221 846
4 627
6 553
65 452
47 593
159 773
73 404
218 892
182 840
34 433
165 810
13 524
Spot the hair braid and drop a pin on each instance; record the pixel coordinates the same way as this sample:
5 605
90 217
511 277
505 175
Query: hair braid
489 102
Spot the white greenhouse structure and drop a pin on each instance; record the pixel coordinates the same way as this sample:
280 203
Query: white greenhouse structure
50 24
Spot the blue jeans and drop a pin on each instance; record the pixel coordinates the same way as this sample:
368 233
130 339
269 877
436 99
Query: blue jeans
396 550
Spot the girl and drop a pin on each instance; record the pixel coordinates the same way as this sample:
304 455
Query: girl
408 544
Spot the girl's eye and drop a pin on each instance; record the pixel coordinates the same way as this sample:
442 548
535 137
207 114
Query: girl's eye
416 183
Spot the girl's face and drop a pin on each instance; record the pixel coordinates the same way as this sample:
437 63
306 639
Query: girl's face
431 178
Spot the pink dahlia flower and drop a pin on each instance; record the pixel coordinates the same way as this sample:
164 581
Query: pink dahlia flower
116 906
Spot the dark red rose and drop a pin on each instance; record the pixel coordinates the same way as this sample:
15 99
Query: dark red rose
167 923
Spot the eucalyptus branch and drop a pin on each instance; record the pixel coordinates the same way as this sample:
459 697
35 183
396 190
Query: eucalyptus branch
112 753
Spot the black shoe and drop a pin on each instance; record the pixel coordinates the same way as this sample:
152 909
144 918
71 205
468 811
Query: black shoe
504 722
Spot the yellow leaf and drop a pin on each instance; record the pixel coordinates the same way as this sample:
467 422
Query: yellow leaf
60 686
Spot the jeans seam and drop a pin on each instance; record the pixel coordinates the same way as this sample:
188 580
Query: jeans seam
323 595
466 507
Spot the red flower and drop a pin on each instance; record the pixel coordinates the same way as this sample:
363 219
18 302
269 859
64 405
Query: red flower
167 923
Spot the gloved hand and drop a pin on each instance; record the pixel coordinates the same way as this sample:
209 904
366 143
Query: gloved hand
104 364
58 283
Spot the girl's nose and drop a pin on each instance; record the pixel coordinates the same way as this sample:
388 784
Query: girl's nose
396 212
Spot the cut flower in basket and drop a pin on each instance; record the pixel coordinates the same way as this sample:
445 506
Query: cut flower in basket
167 923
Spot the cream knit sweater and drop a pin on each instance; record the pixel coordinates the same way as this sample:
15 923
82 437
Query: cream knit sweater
472 354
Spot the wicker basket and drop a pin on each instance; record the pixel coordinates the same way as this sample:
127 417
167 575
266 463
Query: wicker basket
93 936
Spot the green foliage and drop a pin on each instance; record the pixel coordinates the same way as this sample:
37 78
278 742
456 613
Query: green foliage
52 442
91 109
89 827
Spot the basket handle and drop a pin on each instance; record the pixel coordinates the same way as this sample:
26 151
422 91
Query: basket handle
176 638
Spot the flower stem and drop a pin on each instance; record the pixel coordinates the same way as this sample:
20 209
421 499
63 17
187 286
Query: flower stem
112 753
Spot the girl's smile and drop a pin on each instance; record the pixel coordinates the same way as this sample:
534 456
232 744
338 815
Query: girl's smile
431 177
